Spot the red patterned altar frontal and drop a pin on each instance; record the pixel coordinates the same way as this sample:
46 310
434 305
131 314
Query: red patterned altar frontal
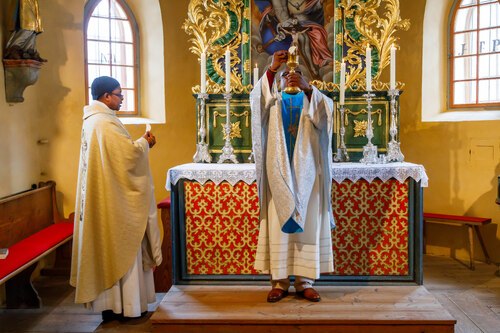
371 237
222 227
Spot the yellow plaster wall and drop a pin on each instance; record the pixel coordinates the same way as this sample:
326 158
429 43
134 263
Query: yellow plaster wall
59 96
460 183
462 159
20 155
176 138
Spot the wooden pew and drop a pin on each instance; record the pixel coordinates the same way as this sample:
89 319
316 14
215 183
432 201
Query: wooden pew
31 228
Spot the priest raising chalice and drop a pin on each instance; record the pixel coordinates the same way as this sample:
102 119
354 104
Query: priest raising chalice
292 125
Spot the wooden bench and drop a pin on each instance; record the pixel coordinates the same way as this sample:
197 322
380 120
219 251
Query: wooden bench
472 224
31 228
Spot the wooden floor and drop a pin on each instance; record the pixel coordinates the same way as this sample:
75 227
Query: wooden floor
471 297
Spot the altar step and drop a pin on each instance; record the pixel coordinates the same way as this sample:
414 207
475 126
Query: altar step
243 309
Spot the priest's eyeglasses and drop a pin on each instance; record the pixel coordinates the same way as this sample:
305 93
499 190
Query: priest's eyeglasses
117 95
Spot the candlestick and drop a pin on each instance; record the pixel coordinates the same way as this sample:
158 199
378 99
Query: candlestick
228 71
393 147
227 150
369 150
341 155
255 75
368 60
203 73
342 83
393 68
202 155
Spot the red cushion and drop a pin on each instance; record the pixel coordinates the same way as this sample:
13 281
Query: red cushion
472 219
31 247
165 203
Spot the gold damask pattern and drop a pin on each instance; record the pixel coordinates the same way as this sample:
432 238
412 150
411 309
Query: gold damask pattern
371 237
372 231
222 226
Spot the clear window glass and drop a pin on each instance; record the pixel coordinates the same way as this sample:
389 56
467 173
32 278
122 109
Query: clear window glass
487 1
468 3
489 91
465 92
466 19
111 44
488 66
475 53
489 16
465 68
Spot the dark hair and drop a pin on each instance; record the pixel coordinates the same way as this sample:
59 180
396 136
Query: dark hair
102 85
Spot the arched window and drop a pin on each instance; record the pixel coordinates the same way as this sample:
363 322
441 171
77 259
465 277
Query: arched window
475 54
111 48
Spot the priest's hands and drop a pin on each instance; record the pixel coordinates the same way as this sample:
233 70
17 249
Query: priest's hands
297 80
279 57
150 138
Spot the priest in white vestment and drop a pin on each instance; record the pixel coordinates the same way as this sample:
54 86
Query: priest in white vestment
116 241
291 137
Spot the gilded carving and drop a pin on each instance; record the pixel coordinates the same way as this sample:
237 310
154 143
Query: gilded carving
235 130
215 26
355 86
374 23
245 114
360 127
245 38
247 66
377 112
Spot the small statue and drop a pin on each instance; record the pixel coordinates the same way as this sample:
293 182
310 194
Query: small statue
26 26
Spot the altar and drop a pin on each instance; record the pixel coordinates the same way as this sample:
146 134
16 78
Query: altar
377 209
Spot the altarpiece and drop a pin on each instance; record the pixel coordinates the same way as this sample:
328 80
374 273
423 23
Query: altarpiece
377 206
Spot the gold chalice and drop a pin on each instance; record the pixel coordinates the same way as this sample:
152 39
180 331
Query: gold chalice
292 63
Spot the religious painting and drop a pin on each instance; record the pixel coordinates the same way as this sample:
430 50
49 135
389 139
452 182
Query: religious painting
315 21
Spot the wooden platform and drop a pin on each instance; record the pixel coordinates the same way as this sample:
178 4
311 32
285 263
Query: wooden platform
243 309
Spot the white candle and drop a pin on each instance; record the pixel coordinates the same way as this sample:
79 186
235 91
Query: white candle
228 71
255 75
203 82
393 67
342 83
368 68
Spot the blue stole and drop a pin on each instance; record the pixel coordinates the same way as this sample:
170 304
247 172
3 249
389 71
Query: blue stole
291 109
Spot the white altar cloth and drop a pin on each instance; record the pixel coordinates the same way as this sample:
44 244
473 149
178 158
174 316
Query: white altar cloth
233 173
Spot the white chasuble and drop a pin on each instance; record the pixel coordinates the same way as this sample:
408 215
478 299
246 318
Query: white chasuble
299 189
116 239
